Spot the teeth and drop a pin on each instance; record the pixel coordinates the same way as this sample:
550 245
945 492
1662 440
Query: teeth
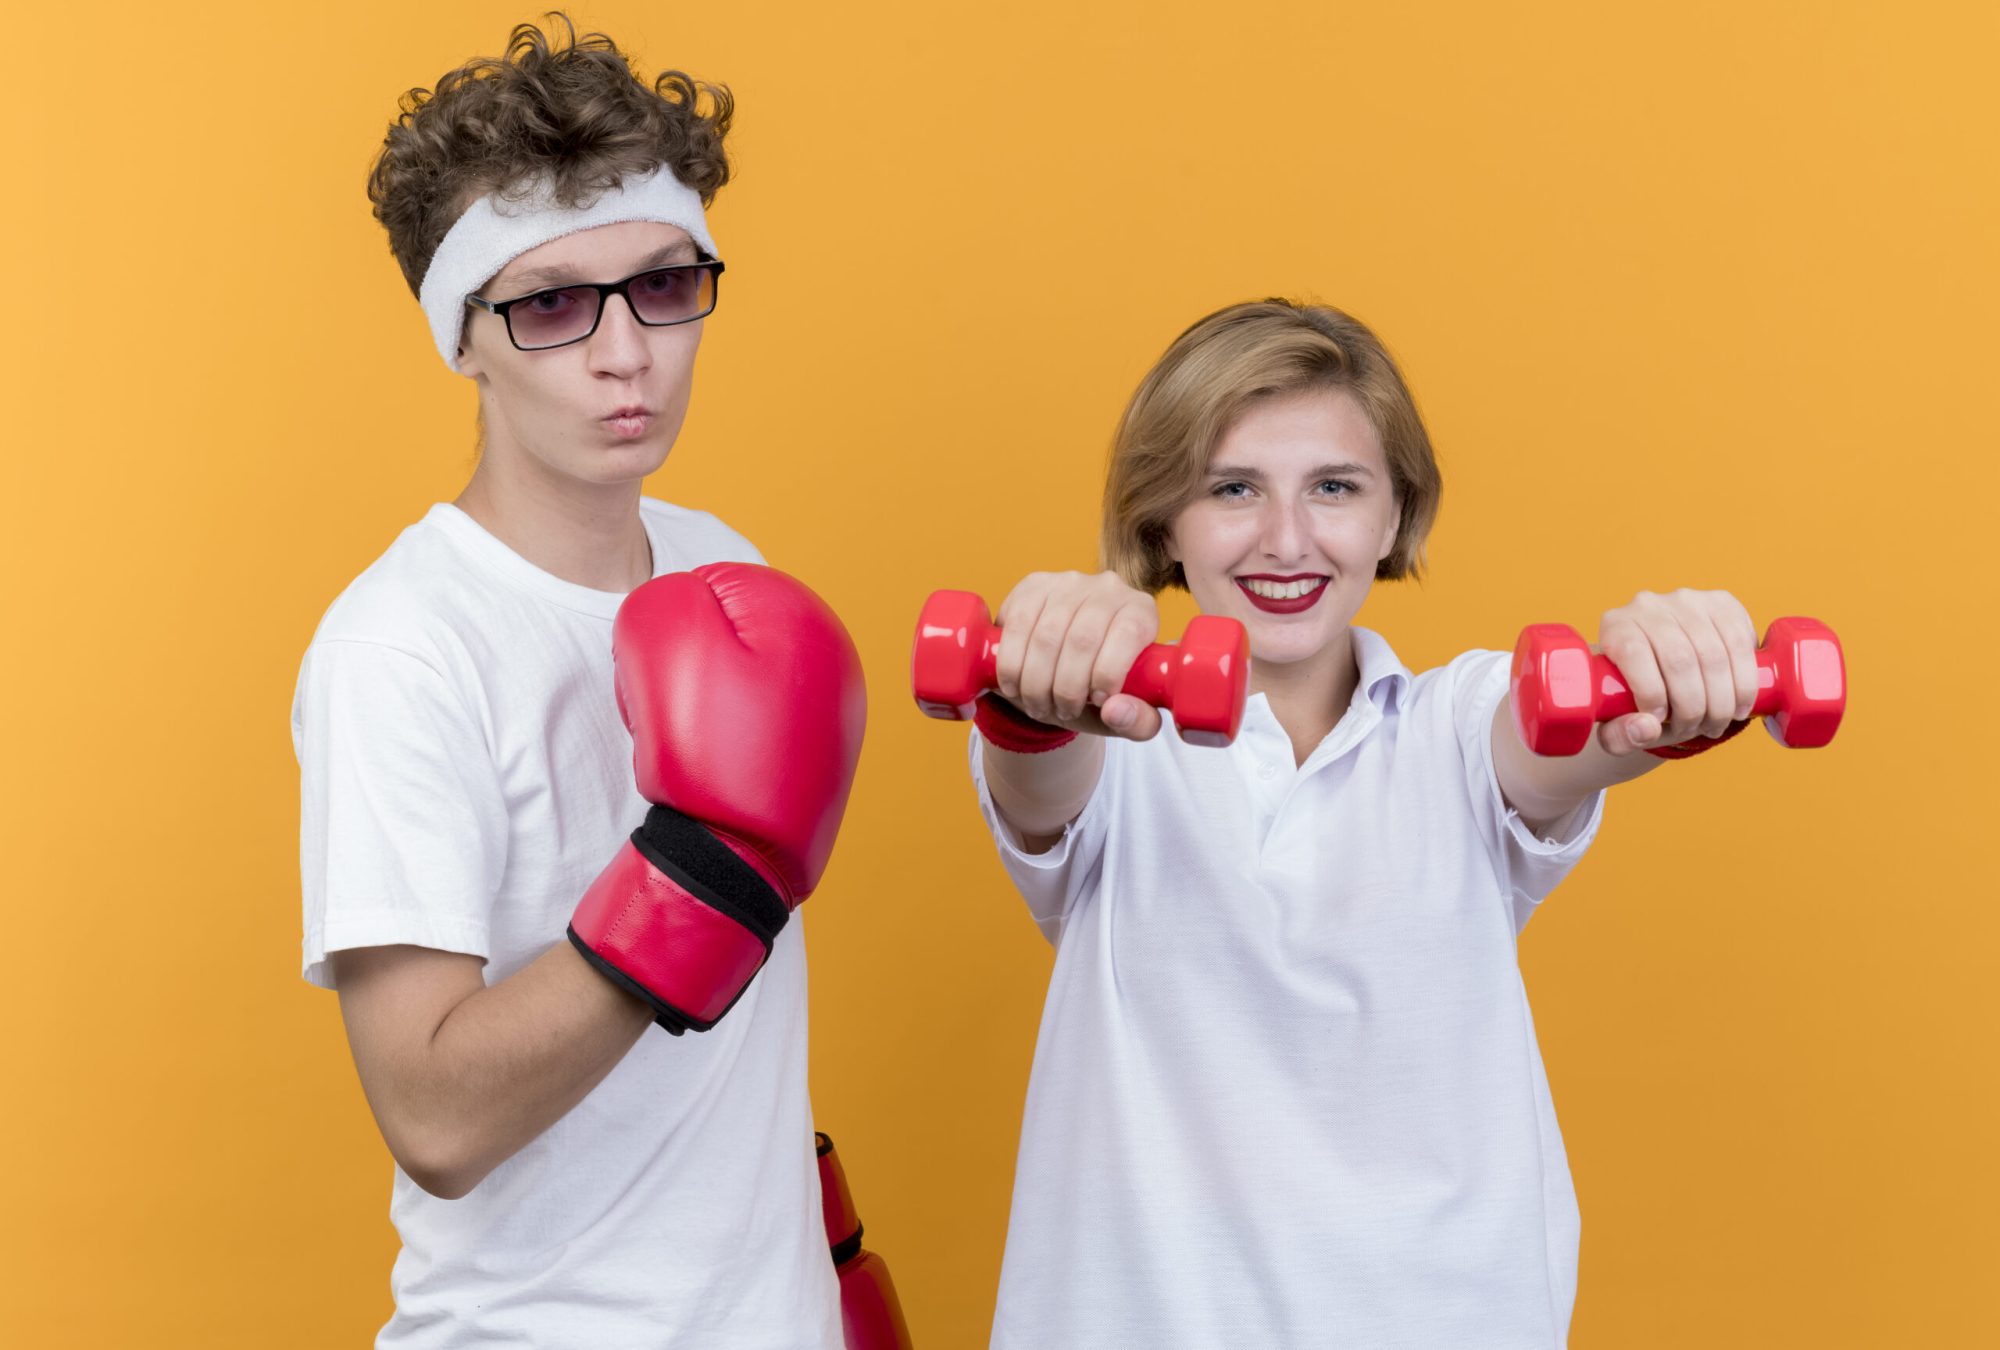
1284 590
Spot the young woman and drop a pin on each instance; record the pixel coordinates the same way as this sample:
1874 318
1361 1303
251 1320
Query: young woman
1287 1091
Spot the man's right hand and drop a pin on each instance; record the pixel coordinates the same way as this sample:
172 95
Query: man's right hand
1067 641
745 701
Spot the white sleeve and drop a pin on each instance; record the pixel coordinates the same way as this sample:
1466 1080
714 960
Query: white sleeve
1530 864
402 822
1051 882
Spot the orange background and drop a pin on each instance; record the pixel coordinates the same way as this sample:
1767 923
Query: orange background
1691 295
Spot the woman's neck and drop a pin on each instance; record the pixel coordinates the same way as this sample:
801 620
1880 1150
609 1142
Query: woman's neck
586 534
1309 697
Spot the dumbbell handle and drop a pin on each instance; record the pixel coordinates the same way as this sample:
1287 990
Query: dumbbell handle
1151 677
1614 696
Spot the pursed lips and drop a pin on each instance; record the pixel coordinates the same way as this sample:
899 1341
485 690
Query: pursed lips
630 423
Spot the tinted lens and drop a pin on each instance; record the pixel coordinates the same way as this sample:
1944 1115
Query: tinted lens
672 294
551 318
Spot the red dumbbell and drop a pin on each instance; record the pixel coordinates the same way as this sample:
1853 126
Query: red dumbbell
1562 689
1203 680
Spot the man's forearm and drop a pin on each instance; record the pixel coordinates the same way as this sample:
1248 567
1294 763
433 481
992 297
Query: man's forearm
461 1077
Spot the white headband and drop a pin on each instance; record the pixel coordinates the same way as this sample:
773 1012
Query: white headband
496 229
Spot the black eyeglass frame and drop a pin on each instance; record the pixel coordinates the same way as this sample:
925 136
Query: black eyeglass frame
605 290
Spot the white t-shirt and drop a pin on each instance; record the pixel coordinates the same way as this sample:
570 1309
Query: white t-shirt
464 777
1287 1092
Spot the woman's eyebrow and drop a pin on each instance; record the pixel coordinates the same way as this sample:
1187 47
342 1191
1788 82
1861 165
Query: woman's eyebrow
1250 475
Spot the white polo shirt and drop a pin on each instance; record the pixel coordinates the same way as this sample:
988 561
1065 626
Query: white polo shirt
1287 1091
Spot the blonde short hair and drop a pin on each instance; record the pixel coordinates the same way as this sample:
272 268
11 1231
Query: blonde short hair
1210 374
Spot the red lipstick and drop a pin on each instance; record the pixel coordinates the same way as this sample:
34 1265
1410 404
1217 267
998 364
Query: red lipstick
1286 605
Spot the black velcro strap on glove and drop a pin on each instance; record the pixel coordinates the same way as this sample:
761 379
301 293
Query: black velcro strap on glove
710 870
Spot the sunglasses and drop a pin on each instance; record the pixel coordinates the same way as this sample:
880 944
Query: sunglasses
658 297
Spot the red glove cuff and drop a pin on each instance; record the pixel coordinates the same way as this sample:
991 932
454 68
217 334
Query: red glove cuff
679 920
1011 729
1688 749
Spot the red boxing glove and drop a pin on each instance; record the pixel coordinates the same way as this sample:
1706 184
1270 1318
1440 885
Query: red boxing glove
871 1316
745 701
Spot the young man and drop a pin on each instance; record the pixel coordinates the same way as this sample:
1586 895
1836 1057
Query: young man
566 1176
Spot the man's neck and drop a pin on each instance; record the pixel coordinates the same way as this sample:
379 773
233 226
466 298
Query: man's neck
586 534
1310 697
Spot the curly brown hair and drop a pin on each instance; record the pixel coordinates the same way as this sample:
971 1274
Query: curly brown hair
573 112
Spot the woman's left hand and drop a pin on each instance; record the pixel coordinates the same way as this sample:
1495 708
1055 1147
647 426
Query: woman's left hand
1690 659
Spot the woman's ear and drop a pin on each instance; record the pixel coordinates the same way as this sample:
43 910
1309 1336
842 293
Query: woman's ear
1389 536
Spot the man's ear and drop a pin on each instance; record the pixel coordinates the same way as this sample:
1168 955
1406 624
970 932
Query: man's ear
469 349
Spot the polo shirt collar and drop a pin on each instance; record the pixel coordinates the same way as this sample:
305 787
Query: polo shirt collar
1384 679
1384 682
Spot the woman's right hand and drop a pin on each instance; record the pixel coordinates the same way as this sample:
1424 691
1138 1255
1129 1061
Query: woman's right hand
1067 641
